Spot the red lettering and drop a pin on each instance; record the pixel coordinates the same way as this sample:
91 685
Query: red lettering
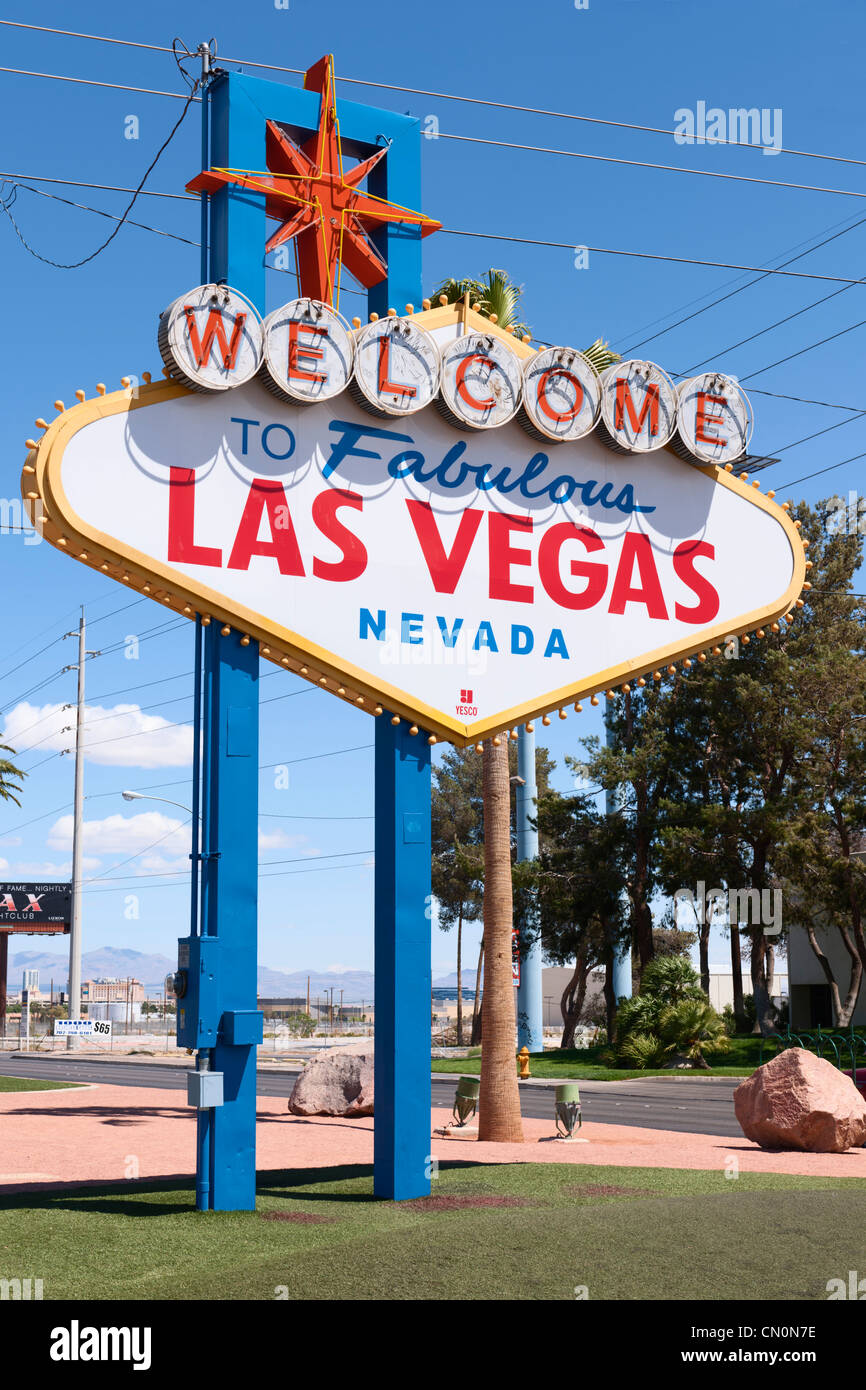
283 545
707 605
702 419
385 382
636 547
549 561
298 349
503 556
463 390
625 403
181 522
544 405
214 328
445 566
354 561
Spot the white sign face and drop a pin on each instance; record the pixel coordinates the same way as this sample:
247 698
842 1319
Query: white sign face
638 406
396 366
482 383
211 339
714 418
309 352
76 1027
561 393
464 580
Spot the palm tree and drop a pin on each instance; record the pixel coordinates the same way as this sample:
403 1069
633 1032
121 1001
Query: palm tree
499 1099
496 293
8 772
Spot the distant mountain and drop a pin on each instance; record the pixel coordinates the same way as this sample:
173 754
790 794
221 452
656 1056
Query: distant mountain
151 970
447 981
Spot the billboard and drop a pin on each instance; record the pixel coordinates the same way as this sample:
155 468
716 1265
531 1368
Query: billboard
35 907
465 534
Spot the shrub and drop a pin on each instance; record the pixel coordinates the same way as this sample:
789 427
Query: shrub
641 1050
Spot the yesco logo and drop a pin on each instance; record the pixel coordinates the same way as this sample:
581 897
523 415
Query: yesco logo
76 1343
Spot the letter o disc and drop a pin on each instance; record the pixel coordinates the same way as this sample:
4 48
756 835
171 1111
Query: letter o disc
561 394
482 382
211 338
638 407
309 352
396 367
714 419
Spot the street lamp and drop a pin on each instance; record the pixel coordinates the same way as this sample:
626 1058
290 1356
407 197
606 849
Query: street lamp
140 796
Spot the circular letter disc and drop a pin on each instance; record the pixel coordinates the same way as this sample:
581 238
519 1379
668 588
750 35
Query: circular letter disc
482 382
211 338
638 407
396 366
309 352
714 418
561 393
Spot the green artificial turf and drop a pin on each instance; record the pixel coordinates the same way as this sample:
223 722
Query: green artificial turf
26 1083
559 1229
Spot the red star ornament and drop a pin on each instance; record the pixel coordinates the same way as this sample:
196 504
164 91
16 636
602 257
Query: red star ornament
317 203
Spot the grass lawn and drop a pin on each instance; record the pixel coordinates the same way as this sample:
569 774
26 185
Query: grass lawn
588 1064
24 1083
540 1230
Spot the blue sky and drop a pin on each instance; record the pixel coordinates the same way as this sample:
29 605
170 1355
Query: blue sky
622 60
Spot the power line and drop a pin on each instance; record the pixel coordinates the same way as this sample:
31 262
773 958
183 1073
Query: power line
450 96
173 873
75 265
495 236
92 82
649 255
646 164
819 471
130 222
809 348
100 187
282 873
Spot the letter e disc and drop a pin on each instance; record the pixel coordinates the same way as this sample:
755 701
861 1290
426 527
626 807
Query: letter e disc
211 338
309 352
638 407
714 419
482 382
396 367
561 394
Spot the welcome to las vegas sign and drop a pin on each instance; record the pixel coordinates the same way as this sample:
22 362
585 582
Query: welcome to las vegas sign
422 514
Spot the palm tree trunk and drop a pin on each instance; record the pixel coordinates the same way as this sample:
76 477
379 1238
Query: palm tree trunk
737 973
460 978
499 1099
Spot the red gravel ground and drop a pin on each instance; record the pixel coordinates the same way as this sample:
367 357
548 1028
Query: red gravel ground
116 1133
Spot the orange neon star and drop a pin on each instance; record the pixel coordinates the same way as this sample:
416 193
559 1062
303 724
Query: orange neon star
317 203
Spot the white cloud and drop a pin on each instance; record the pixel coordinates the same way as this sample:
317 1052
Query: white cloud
47 869
3 866
125 834
278 839
118 737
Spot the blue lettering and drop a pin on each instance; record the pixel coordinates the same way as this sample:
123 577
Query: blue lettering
522 639
345 447
270 452
484 638
411 629
449 638
239 420
370 624
556 645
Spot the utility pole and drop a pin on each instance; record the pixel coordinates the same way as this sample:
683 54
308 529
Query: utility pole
77 821
622 985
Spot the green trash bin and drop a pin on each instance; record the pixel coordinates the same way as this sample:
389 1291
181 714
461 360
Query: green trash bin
466 1099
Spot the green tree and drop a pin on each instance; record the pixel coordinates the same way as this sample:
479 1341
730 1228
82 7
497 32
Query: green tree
577 880
10 776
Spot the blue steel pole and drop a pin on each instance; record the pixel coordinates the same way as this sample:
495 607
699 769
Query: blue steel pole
530 1004
622 986
401 1144
203 1117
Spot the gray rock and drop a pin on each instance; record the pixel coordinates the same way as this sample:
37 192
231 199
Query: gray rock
335 1084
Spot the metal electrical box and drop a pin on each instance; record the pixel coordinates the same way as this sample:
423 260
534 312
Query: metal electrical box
204 1089
198 1011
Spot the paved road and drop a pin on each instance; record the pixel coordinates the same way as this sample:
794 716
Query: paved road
698 1106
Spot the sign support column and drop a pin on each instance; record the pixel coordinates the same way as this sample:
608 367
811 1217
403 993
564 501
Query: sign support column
530 1020
402 924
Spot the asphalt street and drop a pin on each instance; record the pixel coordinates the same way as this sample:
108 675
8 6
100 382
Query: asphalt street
676 1103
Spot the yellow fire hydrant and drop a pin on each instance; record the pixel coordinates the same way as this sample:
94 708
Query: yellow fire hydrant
523 1063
